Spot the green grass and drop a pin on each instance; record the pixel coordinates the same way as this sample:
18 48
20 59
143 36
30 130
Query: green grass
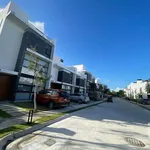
21 127
14 129
4 114
48 118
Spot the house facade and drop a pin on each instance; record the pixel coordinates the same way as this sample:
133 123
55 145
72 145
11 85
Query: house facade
17 38
81 68
66 78
137 89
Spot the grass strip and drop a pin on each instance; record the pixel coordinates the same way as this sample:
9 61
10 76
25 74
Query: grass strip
48 118
4 114
14 128
21 127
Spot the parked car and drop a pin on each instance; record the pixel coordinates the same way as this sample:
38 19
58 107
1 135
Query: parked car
145 101
80 98
53 98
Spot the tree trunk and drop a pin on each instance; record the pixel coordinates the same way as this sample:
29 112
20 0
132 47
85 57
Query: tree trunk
35 106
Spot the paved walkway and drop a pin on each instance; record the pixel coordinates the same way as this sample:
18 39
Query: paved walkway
102 127
5 123
12 109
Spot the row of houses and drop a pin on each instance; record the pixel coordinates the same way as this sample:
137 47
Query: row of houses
17 36
137 89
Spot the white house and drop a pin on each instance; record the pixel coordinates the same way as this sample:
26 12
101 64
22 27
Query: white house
137 88
17 36
69 79
81 68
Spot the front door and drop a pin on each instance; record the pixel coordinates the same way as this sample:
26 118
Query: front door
5 86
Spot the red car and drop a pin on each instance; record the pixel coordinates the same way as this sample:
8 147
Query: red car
53 98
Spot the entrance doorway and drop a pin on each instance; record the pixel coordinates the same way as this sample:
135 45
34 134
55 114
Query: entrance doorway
6 86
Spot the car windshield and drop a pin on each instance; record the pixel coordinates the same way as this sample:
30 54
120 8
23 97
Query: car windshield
64 94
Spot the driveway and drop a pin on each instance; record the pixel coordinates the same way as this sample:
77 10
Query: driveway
104 126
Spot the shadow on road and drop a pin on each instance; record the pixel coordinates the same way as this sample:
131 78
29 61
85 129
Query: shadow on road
59 130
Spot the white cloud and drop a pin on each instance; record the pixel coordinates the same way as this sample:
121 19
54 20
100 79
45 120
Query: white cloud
39 25
117 89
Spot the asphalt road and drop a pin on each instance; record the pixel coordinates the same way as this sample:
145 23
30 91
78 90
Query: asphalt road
104 126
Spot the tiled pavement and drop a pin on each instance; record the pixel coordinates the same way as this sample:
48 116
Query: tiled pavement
12 109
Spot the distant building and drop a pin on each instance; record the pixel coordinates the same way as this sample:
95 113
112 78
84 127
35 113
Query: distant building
70 79
81 68
137 88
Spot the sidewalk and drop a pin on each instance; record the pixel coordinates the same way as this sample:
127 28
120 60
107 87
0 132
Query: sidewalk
5 123
13 110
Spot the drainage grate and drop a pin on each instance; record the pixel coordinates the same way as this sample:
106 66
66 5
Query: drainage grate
134 142
50 142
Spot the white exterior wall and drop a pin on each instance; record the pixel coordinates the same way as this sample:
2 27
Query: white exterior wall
58 65
54 73
10 40
80 67
136 88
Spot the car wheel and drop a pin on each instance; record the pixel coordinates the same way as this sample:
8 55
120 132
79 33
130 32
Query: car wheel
51 105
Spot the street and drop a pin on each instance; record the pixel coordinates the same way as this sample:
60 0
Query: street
104 126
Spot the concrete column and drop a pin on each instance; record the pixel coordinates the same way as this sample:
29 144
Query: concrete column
49 75
74 83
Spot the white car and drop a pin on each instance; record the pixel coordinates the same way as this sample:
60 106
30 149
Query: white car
80 98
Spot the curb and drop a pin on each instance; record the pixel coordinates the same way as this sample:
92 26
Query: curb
11 137
139 105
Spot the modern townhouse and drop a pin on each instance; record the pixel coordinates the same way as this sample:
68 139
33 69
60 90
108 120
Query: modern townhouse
137 89
67 78
17 36
81 68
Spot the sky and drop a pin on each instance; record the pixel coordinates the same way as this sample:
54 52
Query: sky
110 37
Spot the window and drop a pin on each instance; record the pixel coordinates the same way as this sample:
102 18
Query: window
27 71
47 53
41 63
27 81
22 96
42 48
24 88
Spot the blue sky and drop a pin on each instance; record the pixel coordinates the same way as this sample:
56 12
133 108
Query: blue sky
111 37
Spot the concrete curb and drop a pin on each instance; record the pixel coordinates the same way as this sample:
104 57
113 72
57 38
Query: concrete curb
139 105
11 137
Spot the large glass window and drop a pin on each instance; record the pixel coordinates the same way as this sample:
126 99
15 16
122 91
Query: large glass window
42 65
22 96
27 81
24 88
42 47
27 71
